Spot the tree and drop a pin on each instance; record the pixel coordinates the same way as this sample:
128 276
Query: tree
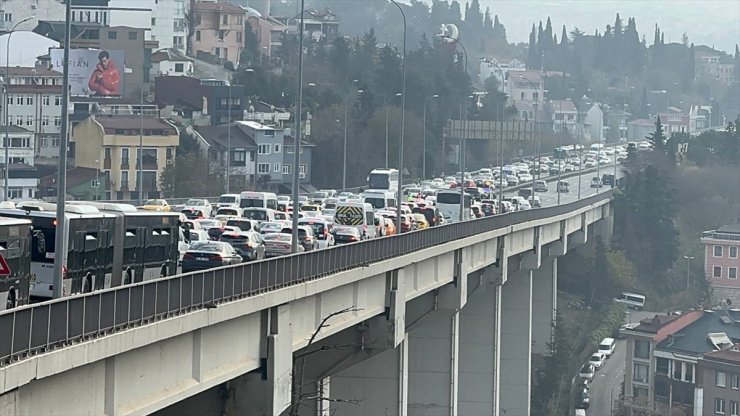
533 52
499 31
657 138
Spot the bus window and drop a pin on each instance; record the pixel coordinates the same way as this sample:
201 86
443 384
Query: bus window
272 204
38 243
449 198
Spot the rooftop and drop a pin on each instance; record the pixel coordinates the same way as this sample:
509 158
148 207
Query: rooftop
729 356
129 122
732 228
257 126
563 106
219 136
694 339
209 6
31 71
169 55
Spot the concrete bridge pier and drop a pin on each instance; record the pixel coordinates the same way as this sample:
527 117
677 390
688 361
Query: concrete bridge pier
544 304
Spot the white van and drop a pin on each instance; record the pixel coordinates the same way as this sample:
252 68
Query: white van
259 214
360 215
380 199
607 346
228 200
632 300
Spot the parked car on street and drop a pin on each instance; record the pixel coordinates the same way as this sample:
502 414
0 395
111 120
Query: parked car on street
597 359
587 371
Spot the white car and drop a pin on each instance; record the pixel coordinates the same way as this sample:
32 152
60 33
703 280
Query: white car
597 359
525 177
590 163
587 371
198 204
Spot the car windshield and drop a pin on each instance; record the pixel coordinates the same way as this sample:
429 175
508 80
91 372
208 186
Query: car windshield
243 225
196 202
154 202
255 214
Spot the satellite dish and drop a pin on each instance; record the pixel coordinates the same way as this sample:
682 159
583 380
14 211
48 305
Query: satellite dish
448 32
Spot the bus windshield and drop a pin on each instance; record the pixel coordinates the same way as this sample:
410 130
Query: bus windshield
255 214
378 181
44 229
376 202
252 203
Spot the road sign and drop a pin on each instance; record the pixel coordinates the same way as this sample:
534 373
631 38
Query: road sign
4 269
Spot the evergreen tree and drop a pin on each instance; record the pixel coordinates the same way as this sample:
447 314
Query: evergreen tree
455 13
532 50
499 31
548 45
440 13
657 138
487 23
644 112
564 38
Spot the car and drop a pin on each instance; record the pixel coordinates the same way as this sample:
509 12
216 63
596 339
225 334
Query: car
206 223
587 371
204 255
511 180
535 201
421 221
306 237
197 204
607 179
197 235
432 214
584 400
215 232
488 209
243 224
273 226
321 230
278 244
193 213
156 205
563 186
626 327
596 182
590 163
540 186
345 234
249 244
525 177
597 359
407 223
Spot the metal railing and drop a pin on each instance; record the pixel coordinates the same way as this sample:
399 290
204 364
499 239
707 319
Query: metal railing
57 323
719 235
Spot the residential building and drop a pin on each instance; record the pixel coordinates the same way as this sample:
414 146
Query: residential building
711 64
720 375
722 262
219 31
81 185
304 172
269 32
639 129
269 159
34 102
131 40
170 62
111 144
169 24
196 101
592 120
616 124
676 120
15 11
229 140
564 116
264 113
499 67
641 363
526 91
316 23
22 182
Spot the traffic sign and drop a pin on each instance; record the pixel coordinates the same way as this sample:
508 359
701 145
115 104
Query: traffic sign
4 269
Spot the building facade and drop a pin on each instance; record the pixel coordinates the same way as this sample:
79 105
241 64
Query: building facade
316 23
22 182
720 381
269 32
219 31
171 63
15 11
722 262
214 100
498 68
111 144
526 91
232 141
34 102
564 116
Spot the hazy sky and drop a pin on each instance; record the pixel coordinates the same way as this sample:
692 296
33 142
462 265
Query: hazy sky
711 22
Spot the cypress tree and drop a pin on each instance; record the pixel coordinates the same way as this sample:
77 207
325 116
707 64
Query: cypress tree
644 104
548 34
657 138
532 51
499 31
564 38
487 23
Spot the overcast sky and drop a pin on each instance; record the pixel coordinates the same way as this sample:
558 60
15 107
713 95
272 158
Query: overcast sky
710 22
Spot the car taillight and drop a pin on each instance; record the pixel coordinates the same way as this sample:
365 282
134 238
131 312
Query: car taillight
188 256
216 257
353 238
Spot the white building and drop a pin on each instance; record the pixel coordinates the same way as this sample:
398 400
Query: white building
21 180
167 20
15 11
592 120
493 67
564 116
171 62
34 99
130 13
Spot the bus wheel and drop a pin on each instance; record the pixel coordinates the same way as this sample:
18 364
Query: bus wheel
10 303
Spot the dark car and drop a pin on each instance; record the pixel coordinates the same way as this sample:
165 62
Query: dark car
343 234
248 244
488 209
208 254
607 179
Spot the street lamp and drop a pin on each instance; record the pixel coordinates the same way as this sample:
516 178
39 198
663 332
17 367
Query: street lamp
385 104
97 179
688 271
399 193
344 151
424 145
6 84
297 138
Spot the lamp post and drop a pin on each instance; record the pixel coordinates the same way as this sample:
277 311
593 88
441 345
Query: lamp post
297 139
688 271
97 179
6 84
228 144
399 193
344 148
424 141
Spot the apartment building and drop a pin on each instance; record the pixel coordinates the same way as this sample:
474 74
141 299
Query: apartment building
232 141
316 23
34 102
22 182
219 31
720 373
722 262
269 32
200 101
13 12
666 371
564 116
111 144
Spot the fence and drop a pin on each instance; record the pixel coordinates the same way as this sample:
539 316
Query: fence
56 323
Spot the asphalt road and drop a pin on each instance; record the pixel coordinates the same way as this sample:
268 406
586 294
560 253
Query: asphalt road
607 383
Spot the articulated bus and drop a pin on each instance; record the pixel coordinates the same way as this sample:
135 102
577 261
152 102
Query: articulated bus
448 203
15 247
102 247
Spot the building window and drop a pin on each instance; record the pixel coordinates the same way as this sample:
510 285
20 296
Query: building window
225 19
19 120
535 96
133 35
720 379
8 17
523 95
263 149
719 406
733 252
276 167
717 271
263 168
239 158
124 156
15 192
179 67
29 120
45 100
197 35
735 384
286 169
168 153
276 149
717 251
107 152
661 366
124 179
57 121
732 273
221 34
56 142
642 349
640 373
29 100
238 37
58 100
113 34
734 408
154 21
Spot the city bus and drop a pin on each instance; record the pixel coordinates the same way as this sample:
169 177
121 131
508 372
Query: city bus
87 253
15 247
258 200
448 203
383 180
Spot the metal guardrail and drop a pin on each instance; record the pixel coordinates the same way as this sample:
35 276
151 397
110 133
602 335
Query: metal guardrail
57 323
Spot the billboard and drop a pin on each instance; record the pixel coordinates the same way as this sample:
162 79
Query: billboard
92 72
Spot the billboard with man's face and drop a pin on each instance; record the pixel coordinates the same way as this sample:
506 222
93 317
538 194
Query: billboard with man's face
92 72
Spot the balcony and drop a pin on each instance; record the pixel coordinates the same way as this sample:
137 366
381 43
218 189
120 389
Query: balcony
716 235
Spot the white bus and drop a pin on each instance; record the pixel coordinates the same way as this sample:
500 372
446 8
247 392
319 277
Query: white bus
258 200
15 247
383 180
448 203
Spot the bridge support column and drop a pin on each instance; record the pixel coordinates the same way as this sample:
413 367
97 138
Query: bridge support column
376 386
603 229
544 303
514 377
